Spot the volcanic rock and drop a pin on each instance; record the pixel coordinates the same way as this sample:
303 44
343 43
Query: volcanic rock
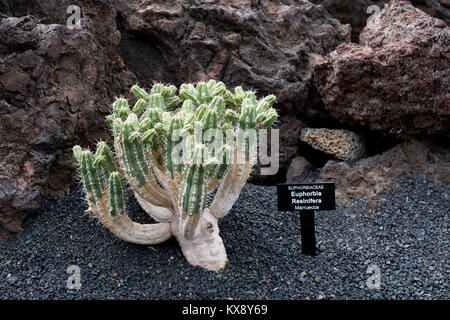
397 80
358 12
342 144
268 46
298 167
56 85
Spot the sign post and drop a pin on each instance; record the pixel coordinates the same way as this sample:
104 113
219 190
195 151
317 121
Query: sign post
306 198
308 233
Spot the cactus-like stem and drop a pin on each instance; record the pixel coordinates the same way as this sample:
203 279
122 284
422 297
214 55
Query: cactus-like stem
194 190
231 186
106 201
134 163
147 140
127 230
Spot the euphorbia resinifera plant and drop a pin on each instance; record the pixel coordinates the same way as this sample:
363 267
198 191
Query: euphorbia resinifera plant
161 152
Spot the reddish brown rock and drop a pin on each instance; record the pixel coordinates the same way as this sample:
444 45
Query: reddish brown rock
396 80
357 12
56 85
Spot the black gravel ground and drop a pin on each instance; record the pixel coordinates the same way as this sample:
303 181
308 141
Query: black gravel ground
406 237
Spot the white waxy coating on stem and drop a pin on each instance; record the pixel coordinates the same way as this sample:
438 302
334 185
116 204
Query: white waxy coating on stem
158 213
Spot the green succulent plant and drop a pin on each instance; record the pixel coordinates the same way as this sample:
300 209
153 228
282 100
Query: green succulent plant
161 152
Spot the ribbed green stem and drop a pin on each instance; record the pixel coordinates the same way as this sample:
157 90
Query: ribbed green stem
139 106
139 92
194 186
172 140
133 153
116 194
90 176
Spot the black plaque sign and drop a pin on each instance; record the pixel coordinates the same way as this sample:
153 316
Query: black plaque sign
306 198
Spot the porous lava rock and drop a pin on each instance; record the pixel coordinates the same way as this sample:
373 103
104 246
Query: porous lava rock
342 144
